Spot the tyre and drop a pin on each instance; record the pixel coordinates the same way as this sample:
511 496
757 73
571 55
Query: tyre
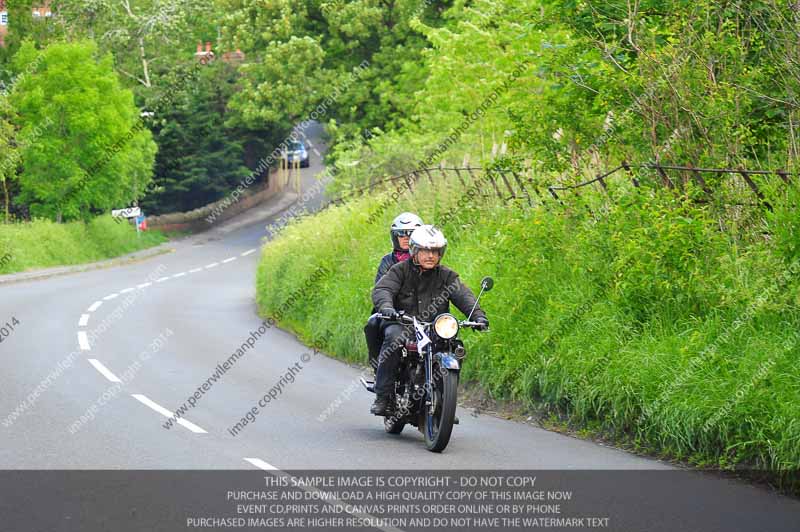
393 425
439 416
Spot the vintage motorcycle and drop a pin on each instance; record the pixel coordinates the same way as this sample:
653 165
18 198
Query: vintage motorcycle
426 385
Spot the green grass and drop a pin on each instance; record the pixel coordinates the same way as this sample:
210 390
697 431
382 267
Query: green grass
42 243
596 317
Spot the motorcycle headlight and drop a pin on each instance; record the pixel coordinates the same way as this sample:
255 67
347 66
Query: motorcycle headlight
446 326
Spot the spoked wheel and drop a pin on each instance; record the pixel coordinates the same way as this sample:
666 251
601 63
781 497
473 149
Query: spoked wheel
440 413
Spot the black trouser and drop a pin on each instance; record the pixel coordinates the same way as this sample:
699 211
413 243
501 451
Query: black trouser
395 337
374 334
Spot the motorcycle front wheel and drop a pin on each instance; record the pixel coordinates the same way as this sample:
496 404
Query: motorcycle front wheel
441 412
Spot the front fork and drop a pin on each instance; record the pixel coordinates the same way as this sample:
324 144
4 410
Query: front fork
445 360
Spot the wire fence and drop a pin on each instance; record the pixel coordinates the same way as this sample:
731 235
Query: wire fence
726 185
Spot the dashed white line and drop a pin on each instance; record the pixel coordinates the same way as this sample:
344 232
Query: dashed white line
83 341
229 260
143 285
110 296
162 279
213 264
261 464
195 270
95 306
127 290
84 320
166 413
249 251
179 275
103 370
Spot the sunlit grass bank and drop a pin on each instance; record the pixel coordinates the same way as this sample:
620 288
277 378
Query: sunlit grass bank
42 243
657 320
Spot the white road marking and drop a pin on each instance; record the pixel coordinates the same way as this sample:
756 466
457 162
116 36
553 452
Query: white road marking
103 370
166 413
143 285
249 251
162 279
110 296
229 260
84 320
261 464
83 341
127 290
195 270
212 265
179 275
95 306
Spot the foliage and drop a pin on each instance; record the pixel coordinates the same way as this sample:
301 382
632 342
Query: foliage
303 51
198 159
146 37
89 153
705 83
9 151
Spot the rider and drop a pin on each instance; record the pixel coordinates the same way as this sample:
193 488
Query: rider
400 231
420 287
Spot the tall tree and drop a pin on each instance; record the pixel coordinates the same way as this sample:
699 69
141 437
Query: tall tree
302 54
145 36
90 150
9 155
200 158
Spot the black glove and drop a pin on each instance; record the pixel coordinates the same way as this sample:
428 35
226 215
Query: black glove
484 322
389 313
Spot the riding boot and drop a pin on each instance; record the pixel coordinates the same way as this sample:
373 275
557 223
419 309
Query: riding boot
382 406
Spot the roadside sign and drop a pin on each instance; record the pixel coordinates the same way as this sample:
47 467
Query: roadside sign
129 212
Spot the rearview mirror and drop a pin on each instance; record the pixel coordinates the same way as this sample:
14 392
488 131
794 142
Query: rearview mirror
487 283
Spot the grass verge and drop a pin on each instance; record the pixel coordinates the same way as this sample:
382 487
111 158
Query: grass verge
43 244
669 324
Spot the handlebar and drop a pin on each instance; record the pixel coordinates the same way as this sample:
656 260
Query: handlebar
405 318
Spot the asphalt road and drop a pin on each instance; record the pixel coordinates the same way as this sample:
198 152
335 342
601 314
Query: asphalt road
197 305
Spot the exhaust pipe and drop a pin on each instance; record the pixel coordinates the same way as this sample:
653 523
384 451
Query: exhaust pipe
369 385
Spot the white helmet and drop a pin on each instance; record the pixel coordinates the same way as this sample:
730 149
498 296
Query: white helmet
427 237
403 224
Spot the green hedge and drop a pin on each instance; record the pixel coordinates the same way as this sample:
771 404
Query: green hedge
42 243
643 320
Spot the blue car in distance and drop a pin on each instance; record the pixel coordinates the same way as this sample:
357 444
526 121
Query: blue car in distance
297 152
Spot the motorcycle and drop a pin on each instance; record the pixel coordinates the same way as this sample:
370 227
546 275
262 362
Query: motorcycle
426 385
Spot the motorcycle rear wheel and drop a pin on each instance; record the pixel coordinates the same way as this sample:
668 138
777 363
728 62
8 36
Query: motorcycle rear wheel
439 423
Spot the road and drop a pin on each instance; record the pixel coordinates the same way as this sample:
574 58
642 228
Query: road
100 327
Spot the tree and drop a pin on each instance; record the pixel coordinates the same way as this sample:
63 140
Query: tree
199 158
145 36
302 53
90 150
10 155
